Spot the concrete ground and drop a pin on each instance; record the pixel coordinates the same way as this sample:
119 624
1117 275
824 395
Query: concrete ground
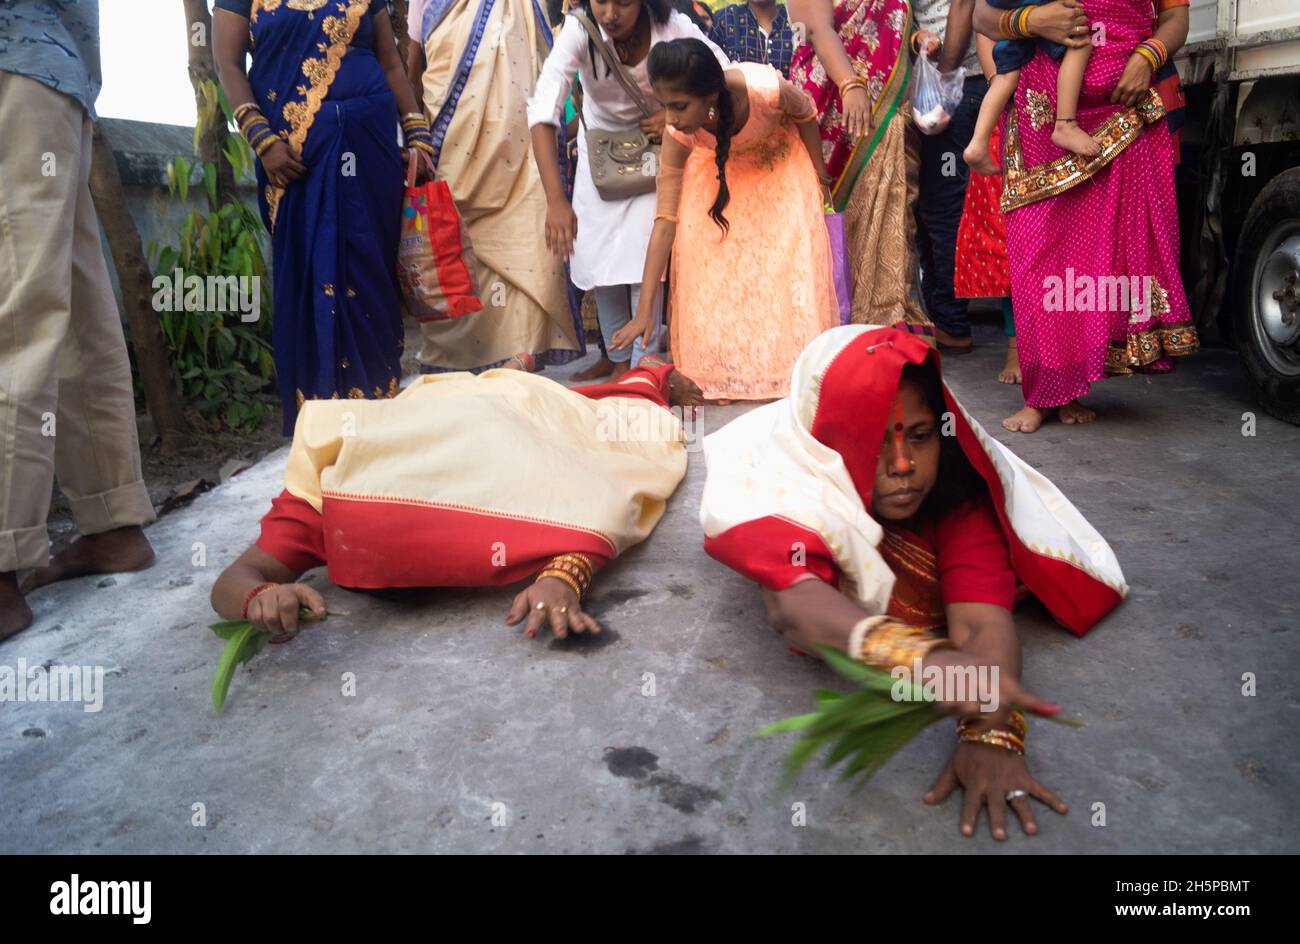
464 737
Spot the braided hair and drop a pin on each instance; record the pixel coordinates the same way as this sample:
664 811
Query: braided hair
689 65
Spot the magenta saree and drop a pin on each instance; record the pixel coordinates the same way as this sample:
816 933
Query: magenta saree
1093 242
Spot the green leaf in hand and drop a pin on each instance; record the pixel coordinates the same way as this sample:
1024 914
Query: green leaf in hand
242 643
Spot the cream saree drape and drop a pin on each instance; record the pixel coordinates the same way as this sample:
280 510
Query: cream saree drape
487 161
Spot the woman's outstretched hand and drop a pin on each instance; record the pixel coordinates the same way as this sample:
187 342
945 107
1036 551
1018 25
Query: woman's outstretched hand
281 167
1062 21
561 228
1009 692
559 609
986 775
1134 82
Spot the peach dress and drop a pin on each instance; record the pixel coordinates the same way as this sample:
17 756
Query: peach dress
745 304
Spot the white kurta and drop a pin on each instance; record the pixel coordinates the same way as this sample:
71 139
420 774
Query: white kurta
613 235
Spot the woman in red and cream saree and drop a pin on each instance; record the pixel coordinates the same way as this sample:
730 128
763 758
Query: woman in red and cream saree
465 481
870 506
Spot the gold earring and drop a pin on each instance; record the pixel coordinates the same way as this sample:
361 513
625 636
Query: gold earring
713 113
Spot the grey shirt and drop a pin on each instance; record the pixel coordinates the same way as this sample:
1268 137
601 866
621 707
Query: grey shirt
932 16
55 42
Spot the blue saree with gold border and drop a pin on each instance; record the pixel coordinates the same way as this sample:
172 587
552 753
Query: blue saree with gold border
338 328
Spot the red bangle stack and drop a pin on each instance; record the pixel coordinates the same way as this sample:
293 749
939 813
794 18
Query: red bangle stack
253 593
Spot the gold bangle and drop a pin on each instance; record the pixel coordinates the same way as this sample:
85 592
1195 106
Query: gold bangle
1003 739
853 81
243 110
888 643
667 217
561 575
584 579
1017 723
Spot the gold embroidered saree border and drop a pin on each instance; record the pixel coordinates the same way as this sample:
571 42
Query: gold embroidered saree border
300 115
1021 186
1145 347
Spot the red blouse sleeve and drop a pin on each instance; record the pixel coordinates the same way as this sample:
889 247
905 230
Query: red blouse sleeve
774 553
974 562
293 534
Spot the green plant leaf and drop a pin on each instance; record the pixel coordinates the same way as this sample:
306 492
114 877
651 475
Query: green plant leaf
241 645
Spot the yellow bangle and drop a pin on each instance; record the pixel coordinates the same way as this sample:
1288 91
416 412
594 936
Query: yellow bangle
561 575
666 216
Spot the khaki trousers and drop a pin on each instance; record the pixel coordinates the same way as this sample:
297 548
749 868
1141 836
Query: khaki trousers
66 403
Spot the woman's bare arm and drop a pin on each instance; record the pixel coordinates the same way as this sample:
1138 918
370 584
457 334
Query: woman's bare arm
391 64
415 66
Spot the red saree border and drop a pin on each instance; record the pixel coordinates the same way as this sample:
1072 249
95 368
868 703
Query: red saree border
471 509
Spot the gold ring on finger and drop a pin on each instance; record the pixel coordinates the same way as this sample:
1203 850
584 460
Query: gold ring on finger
564 609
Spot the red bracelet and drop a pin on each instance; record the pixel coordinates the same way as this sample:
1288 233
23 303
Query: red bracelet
254 592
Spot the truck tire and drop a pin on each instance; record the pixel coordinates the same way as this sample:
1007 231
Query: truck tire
1266 296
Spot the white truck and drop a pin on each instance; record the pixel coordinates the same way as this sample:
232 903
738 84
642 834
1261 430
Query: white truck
1239 186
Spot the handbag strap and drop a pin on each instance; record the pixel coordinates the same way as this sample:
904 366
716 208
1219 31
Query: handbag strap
619 70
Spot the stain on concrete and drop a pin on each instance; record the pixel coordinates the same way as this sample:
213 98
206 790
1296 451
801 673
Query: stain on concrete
634 762
585 643
637 763
681 590
1253 770
1188 631
615 597
679 794
34 733
689 845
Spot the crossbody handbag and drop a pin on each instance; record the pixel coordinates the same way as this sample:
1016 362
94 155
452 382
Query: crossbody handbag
623 163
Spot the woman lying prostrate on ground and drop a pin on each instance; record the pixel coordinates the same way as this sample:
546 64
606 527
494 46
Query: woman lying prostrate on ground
467 481
874 511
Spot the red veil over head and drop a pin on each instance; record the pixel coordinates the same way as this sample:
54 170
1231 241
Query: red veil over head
788 490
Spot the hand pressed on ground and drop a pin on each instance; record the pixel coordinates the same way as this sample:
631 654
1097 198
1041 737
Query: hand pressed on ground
559 609
986 775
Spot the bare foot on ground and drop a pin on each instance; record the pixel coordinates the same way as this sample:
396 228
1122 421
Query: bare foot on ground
15 614
1076 412
109 552
1010 373
1026 420
602 368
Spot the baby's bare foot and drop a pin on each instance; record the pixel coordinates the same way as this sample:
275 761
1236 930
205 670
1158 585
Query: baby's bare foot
1068 136
978 157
